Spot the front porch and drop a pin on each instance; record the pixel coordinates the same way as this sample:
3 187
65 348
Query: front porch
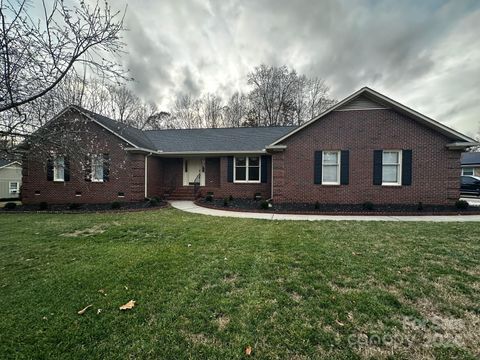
190 177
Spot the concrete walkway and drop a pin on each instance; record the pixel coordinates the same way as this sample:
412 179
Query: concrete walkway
190 207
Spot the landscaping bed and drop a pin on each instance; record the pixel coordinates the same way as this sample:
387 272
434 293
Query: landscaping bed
84 208
250 205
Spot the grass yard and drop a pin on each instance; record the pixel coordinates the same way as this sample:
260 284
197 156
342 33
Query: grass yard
211 287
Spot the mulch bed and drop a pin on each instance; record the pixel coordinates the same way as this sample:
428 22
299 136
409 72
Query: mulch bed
86 208
248 205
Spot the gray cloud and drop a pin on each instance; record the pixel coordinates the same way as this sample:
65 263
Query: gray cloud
425 54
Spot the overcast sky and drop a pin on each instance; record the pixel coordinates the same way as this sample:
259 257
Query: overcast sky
423 53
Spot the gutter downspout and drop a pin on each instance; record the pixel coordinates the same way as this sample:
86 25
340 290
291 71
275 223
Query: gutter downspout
146 174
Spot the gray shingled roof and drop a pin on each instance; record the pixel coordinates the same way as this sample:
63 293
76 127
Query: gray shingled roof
131 134
193 140
470 158
220 139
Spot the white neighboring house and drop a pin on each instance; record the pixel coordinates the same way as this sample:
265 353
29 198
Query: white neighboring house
10 179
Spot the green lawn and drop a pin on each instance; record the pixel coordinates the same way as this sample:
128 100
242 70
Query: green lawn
209 287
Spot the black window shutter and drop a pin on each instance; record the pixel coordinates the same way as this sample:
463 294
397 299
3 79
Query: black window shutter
317 168
49 170
88 169
265 164
106 167
407 167
344 167
230 169
66 170
377 167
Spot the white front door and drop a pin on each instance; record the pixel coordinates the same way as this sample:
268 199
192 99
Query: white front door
193 171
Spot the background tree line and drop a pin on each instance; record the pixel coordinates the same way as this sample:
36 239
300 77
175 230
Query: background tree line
277 96
71 55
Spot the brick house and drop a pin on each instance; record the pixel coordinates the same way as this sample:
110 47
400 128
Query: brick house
470 162
367 147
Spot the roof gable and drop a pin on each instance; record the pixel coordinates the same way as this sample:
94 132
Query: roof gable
6 163
131 135
361 102
366 99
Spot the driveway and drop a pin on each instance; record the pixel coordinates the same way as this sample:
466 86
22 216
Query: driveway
190 207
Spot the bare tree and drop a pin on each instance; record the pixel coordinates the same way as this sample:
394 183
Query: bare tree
159 121
37 54
272 94
311 98
124 104
211 111
185 113
235 112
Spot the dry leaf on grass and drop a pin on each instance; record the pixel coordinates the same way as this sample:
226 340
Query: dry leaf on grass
248 350
128 305
81 312
339 323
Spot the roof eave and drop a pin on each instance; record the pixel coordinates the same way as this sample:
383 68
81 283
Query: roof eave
194 153
275 148
462 145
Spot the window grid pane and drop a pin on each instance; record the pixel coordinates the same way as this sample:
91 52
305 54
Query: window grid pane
390 174
391 167
467 171
13 187
247 169
97 168
241 174
330 173
59 169
330 167
330 157
390 157
240 161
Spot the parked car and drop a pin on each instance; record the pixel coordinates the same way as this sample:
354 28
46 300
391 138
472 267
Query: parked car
470 185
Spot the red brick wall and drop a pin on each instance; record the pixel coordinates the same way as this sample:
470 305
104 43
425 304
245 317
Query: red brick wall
435 168
212 172
154 176
238 190
126 172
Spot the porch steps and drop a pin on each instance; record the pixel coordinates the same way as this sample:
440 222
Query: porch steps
182 193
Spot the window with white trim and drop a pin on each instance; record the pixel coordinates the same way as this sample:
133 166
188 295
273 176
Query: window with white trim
467 171
14 187
392 167
247 169
59 169
330 167
97 168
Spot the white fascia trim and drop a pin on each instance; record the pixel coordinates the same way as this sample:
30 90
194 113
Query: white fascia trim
10 164
276 147
193 153
462 145
373 93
